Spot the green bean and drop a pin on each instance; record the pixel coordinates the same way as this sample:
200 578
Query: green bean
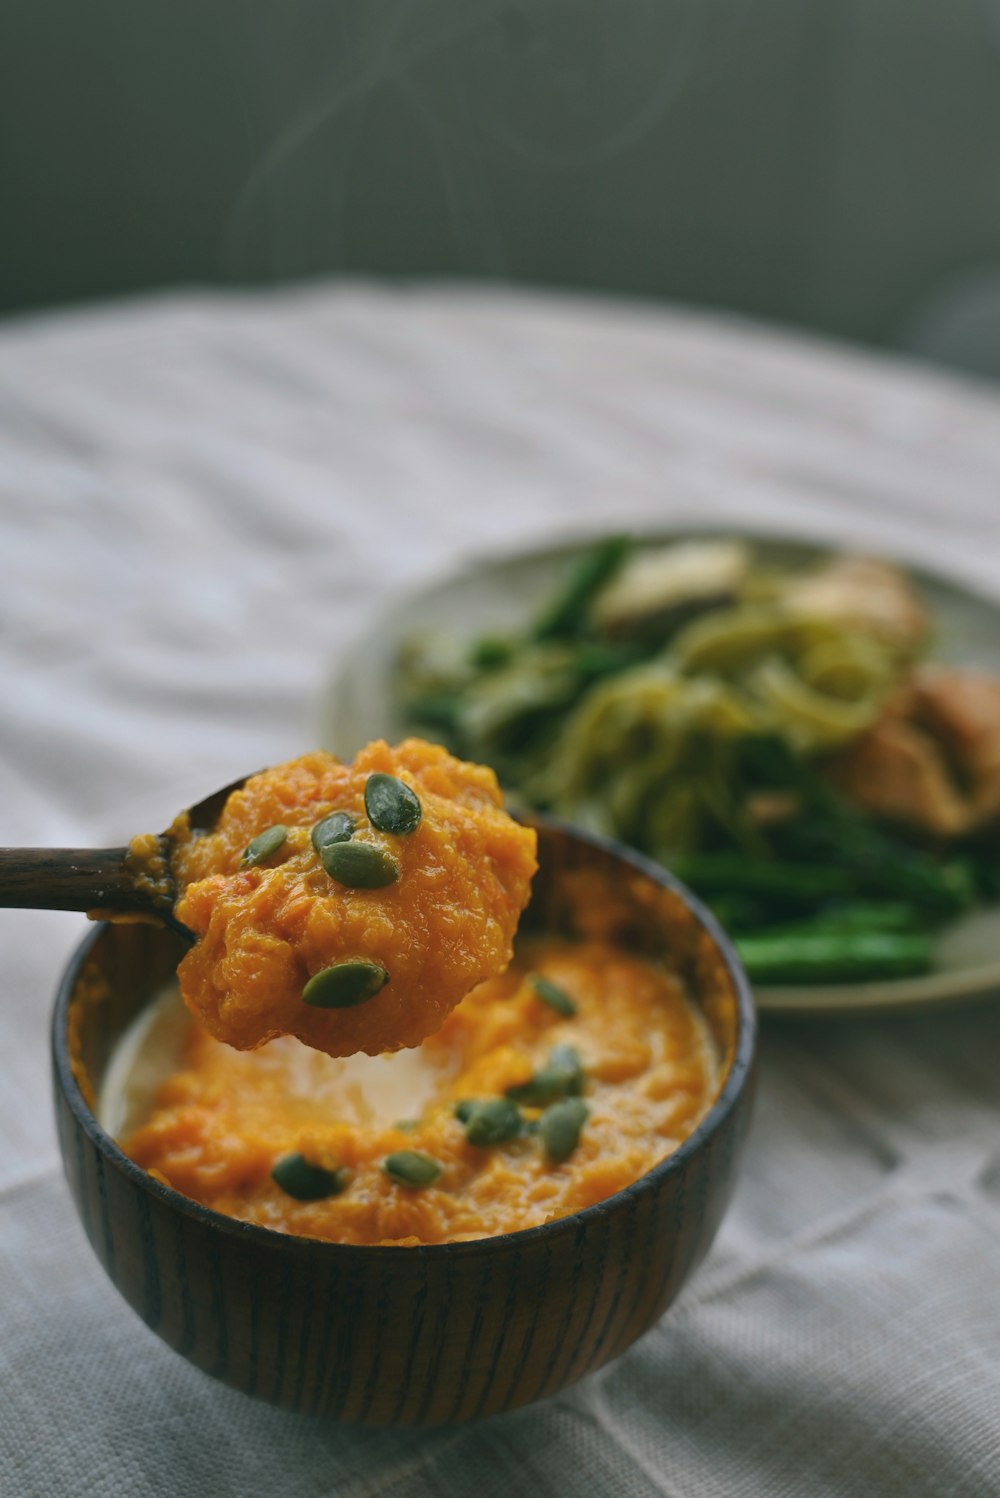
945 889
566 613
984 866
909 876
439 710
740 912
730 873
885 917
834 957
490 651
877 863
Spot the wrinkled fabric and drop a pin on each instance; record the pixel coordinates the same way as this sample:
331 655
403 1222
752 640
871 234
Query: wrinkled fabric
203 500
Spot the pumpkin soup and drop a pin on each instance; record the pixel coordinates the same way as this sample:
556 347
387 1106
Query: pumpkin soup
547 1089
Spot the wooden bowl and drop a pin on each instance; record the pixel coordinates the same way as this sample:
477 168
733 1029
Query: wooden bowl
427 1335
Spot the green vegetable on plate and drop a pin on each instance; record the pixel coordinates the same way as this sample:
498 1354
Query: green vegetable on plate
698 705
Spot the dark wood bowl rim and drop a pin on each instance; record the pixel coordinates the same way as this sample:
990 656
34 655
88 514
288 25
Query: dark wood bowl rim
249 1232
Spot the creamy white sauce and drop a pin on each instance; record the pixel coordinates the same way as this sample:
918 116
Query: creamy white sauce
370 1091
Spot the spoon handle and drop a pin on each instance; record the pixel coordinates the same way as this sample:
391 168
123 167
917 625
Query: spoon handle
72 879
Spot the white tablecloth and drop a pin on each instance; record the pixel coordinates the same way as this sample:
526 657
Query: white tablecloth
201 498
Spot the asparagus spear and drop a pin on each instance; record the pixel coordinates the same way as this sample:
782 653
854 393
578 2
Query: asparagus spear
567 612
834 957
862 917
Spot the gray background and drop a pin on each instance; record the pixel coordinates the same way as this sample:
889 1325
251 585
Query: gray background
833 164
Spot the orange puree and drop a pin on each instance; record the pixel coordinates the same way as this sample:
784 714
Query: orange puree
447 921
649 1072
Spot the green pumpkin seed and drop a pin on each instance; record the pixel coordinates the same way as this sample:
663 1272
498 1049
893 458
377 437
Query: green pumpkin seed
345 984
338 827
308 1183
391 805
560 1127
263 846
493 1121
359 865
410 1168
566 1058
551 994
562 1076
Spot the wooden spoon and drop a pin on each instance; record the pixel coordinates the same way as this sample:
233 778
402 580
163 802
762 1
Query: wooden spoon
104 881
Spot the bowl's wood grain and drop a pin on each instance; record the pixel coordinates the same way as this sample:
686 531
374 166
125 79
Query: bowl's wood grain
408 1336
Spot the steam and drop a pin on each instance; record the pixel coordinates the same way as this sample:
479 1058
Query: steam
558 84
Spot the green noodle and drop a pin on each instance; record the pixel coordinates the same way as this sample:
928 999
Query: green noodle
642 751
649 751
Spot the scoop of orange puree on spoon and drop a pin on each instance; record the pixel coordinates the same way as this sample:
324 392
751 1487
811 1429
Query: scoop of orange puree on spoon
352 905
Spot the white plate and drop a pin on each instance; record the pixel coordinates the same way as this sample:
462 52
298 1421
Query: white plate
502 593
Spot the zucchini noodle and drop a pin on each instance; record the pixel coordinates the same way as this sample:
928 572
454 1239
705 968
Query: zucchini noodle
640 737
809 720
630 759
643 755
